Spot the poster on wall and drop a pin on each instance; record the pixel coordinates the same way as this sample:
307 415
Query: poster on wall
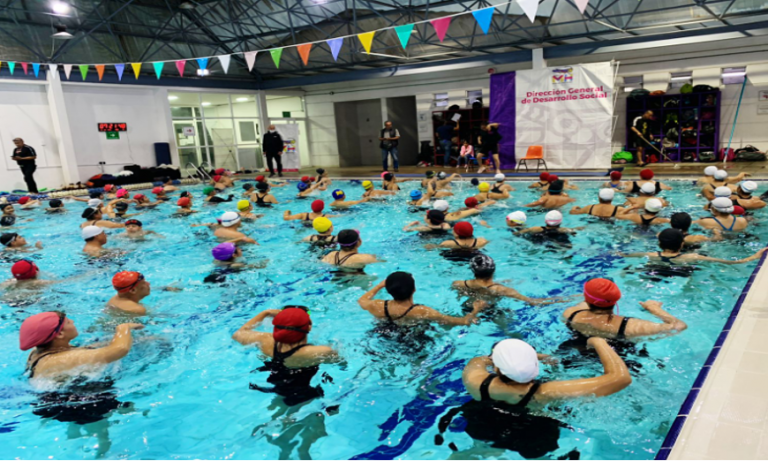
569 111
290 134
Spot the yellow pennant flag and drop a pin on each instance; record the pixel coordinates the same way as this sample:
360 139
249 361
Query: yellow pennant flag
136 69
366 39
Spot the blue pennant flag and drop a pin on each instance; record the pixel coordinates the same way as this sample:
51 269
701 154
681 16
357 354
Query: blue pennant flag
335 44
483 18
202 62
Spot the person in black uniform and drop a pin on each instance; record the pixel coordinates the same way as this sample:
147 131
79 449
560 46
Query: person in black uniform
641 130
273 149
25 156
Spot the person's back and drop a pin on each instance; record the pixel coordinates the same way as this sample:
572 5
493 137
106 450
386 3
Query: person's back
722 220
348 256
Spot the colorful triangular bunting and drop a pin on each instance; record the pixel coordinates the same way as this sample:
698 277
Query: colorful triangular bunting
67 70
36 68
441 26
404 33
224 61
335 44
119 68
202 63
367 40
136 66
276 53
304 49
180 66
530 7
250 59
581 5
11 66
158 68
53 68
100 70
25 66
483 18
83 70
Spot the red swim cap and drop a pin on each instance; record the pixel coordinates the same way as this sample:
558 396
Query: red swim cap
217 178
158 190
615 175
124 281
470 202
544 176
184 201
291 325
646 174
601 293
139 197
311 179
24 270
738 210
317 206
553 178
108 187
24 200
220 171
260 178
305 179
40 329
464 229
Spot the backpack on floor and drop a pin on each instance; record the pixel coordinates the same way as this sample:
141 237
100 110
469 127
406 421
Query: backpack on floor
749 154
728 157
707 156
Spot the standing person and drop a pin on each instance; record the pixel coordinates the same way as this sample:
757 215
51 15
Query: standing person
489 145
273 149
444 135
25 156
389 140
642 128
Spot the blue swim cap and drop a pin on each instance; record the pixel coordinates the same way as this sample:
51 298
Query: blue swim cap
302 186
415 194
338 194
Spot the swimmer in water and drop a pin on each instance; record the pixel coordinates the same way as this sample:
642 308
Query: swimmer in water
217 182
117 209
553 199
711 177
484 267
543 182
134 229
434 222
472 208
262 197
53 357
604 209
25 276
647 191
160 194
646 177
721 191
372 193
8 221
517 220
401 310
211 197
323 181
389 182
499 187
464 238
225 177
348 255
671 242
244 209
650 216
142 201
553 220
131 288
110 191
339 200
595 316
248 190
486 194
305 190
615 183
722 219
93 217
682 222
55 206
324 236
307 218
720 180
95 239
744 198
227 254
229 230
9 210
168 185
185 206
27 203
14 242
418 199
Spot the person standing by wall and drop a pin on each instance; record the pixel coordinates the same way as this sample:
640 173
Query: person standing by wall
389 141
444 135
642 128
25 156
272 145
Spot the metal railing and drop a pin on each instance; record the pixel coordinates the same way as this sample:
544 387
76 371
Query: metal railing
197 171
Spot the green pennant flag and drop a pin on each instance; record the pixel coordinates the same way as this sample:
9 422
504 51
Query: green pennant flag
83 70
404 33
276 53
11 66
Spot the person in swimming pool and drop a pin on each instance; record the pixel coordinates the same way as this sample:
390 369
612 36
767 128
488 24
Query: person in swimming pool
134 229
418 199
471 208
443 181
307 218
710 178
339 200
720 179
323 180
650 216
389 182
721 191
401 310
93 217
743 196
8 221
671 242
372 193
49 335
228 254
484 267
185 206
27 203
499 187
516 220
95 239
464 238
217 182
226 177
294 362
485 194
722 219
646 177
348 255
160 194
682 222
324 236
9 210
604 209
305 189
552 221
25 275
244 209
142 201
12 241
615 183
543 181
647 191
553 199
263 198
595 316
211 197
248 190
434 222
55 206
229 230
168 185
118 209
131 288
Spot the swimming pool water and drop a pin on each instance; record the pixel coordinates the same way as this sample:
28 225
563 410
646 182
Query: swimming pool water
188 381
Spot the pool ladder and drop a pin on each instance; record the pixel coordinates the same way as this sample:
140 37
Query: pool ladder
198 171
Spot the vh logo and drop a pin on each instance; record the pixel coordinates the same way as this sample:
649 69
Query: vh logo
562 75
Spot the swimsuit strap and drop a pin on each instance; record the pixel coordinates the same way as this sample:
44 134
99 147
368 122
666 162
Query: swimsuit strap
590 209
615 209
466 284
529 396
622 328
658 187
635 187
733 223
306 217
570 319
485 396
493 285
474 243
344 259
31 367
648 221
280 357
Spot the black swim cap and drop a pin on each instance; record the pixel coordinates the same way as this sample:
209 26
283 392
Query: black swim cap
133 222
95 194
429 174
88 213
7 221
556 186
248 186
121 206
671 239
262 187
483 266
400 285
185 194
436 216
55 203
348 237
388 177
475 182
7 239
681 221
319 171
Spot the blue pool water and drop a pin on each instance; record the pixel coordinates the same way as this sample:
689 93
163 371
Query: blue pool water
188 381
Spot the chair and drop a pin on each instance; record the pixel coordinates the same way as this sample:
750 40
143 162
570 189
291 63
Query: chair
534 153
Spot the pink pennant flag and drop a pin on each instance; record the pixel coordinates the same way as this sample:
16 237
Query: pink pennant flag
250 59
24 65
441 26
180 66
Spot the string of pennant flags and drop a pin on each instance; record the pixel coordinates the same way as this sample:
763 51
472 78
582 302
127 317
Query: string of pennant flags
483 17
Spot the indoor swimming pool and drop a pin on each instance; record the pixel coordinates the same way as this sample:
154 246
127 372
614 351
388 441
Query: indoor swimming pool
184 389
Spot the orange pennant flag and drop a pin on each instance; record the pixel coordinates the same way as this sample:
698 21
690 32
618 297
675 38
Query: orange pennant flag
304 52
100 70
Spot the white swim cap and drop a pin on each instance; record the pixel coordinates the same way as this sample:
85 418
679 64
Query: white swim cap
94 203
441 175
516 360
748 186
499 177
710 170
91 231
721 174
607 194
723 191
441 205
553 218
517 217
723 205
648 188
230 218
653 205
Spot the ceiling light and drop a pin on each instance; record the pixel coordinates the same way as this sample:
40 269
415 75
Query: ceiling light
61 33
203 72
59 7
173 98
241 99
205 104
734 74
677 79
187 5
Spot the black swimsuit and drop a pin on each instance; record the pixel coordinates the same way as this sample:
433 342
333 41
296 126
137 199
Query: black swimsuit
496 190
308 219
260 201
390 319
460 247
488 287
341 261
293 384
647 222
636 188
622 328
613 215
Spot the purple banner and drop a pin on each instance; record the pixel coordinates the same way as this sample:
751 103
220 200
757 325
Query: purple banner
503 111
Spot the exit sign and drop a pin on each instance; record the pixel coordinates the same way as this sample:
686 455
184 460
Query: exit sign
113 135
286 115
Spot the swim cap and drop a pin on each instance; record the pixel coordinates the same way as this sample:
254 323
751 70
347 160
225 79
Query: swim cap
262 187
89 212
499 177
302 186
207 190
6 221
470 202
260 178
183 194
217 178
436 216
544 176
475 182
607 194
464 229
125 281
89 232
139 197
681 221
442 175
555 185
646 174
24 269
710 170
220 171
441 205
601 293
8 238
305 179
320 171
95 194
158 190
517 217
482 264
94 202
348 237
311 179
367 185
322 224
40 329
553 218
247 186
243 205
121 193
317 206
748 186
723 205
429 174
108 188
615 175
721 174
55 203
338 194
516 360
387 176
184 201
121 206
671 239
229 219
415 195
648 188
24 200
133 222
553 178
723 191
483 187
653 205
224 251
291 325
738 210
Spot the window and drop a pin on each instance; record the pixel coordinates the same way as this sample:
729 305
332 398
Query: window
734 75
441 100
474 96
678 79
633 83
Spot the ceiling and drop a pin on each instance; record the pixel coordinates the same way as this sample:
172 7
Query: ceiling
123 31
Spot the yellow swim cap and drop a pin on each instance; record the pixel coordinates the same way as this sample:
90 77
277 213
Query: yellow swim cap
243 205
322 224
483 187
367 185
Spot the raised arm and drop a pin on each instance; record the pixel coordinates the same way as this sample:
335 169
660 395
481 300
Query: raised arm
725 261
670 326
366 301
432 315
287 216
245 335
117 348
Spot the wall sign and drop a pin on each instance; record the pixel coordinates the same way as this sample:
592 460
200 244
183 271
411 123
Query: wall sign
188 130
112 127
762 102
113 135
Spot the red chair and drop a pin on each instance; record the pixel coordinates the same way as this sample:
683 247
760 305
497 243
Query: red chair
534 153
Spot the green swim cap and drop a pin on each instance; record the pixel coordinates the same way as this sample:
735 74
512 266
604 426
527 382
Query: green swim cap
207 190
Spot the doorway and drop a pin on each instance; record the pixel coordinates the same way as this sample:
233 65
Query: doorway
401 112
358 124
